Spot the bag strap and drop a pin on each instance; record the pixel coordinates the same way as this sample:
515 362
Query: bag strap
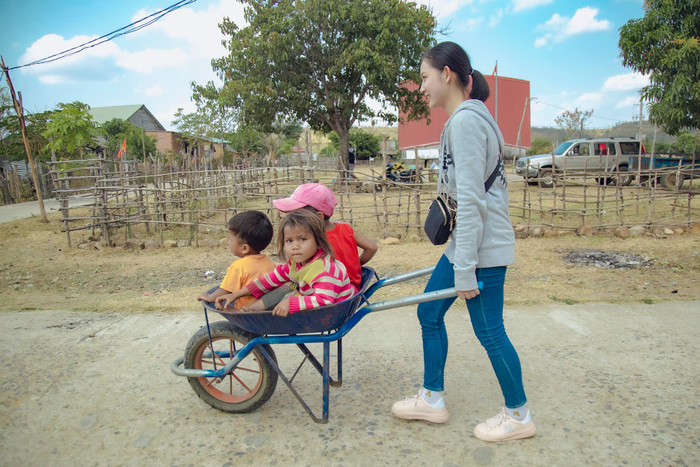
492 177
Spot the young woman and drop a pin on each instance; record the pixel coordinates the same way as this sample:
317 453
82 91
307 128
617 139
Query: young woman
482 245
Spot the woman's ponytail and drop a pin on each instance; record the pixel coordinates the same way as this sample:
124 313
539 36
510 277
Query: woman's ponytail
480 87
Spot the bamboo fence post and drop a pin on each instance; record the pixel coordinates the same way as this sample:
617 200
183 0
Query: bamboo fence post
417 194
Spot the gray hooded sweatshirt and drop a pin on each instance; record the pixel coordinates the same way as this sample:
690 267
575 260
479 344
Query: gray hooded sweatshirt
470 150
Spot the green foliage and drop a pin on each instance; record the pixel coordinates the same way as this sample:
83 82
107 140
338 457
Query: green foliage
665 44
71 130
116 130
246 141
686 143
317 61
11 144
540 146
366 144
573 122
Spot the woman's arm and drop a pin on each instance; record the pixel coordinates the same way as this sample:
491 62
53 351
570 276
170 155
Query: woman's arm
468 142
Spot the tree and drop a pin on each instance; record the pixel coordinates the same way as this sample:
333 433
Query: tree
71 130
137 142
572 122
686 143
540 145
665 45
317 61
366 144
11 144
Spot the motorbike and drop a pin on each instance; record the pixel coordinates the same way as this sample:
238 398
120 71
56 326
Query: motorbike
397 172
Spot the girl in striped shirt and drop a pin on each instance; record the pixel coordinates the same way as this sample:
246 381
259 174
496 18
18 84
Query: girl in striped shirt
310 266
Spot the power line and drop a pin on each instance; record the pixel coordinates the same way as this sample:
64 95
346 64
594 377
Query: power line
128 29
592 115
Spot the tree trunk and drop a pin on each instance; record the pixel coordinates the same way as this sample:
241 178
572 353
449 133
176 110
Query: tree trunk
343 156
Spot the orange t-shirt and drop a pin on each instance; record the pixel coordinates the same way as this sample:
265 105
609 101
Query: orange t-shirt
244 271
342 239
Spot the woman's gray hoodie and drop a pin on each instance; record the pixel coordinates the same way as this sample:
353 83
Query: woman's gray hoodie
470 150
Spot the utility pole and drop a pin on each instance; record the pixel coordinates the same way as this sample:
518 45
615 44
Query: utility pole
522 119
23 129
641 108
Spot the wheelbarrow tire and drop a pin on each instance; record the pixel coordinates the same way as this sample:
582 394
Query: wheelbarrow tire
247 387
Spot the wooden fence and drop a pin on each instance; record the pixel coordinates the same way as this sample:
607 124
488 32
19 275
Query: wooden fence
18 186
133 199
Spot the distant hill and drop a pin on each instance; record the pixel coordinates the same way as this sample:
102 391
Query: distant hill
557 135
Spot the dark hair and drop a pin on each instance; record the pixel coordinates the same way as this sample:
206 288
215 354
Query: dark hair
253 228
316 211
309 221
451 55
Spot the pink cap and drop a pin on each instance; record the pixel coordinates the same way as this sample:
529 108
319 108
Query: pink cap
316 195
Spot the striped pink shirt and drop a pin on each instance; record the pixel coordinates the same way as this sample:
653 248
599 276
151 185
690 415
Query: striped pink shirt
320 282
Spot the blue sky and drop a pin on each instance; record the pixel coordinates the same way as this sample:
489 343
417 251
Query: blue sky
566 49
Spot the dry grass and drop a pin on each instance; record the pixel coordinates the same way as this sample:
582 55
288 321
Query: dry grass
38 272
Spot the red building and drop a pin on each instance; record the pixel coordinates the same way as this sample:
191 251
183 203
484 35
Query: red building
512 97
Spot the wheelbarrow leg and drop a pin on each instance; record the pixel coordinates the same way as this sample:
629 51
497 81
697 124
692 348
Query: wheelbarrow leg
316 364
339 382
326 378
326 399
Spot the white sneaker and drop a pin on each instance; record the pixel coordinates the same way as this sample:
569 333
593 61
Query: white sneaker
503 427
416 408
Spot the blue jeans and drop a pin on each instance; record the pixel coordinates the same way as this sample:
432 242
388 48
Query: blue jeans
486 314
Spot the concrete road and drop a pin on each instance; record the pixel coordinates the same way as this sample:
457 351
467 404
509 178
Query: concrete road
12 212
608 385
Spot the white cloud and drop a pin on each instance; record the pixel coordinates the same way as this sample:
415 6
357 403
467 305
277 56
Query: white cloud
496 18
199 29
474 22
100 63
442 8
626 82
589 98
584 21
153 91
539 42
193 37
145 61
519 5
559 27
627 102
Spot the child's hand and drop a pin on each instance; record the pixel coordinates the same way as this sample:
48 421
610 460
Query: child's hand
224 301
203 297
282 308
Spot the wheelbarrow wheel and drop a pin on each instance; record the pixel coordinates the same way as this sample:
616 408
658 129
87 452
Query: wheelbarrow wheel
247 387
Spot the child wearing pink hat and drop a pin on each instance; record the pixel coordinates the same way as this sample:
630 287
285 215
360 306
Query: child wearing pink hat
345 241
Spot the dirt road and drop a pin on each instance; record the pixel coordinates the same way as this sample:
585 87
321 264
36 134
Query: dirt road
608 384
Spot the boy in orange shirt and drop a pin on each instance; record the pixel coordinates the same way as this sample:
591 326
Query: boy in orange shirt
249 233
344 240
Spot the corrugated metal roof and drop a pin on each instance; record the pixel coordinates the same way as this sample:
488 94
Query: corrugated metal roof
123 112
105 114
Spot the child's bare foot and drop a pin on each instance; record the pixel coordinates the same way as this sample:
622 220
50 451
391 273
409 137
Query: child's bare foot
257 305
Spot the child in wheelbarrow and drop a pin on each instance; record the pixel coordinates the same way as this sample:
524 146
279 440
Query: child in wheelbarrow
249 233
317 277
320 199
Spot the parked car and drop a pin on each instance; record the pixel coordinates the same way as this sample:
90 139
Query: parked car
606 158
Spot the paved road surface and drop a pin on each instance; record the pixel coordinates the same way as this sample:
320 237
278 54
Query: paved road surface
12 212
608 385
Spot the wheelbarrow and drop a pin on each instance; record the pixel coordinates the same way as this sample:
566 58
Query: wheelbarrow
231 365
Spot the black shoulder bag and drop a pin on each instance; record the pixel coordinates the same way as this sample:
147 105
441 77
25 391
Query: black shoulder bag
442 214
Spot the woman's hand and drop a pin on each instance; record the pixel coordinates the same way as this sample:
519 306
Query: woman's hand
467 294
